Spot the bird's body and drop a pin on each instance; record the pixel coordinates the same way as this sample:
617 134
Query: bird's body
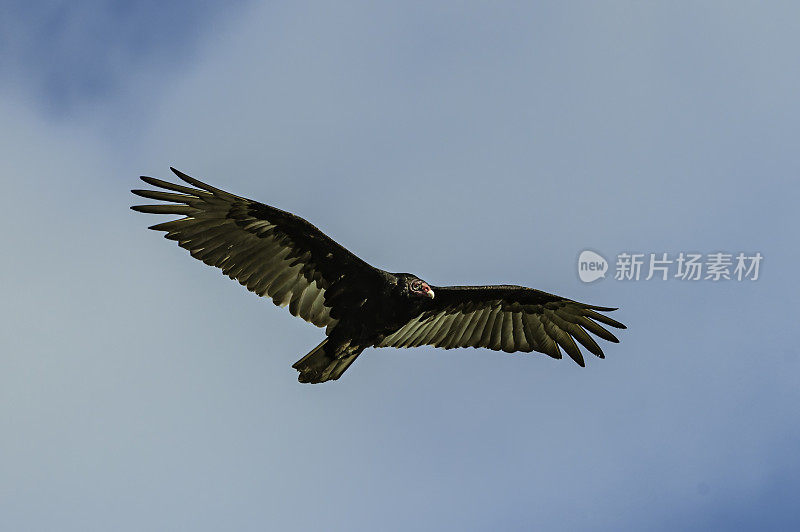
282 256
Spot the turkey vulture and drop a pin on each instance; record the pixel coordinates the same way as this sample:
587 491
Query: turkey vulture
277 254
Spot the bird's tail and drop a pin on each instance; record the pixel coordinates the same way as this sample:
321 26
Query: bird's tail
326 362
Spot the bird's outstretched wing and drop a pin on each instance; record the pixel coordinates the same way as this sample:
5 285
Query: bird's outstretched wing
269 251
508 318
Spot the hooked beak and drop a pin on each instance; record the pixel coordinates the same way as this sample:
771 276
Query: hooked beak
429 293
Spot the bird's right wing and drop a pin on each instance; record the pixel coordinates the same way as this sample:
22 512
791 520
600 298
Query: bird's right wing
269 251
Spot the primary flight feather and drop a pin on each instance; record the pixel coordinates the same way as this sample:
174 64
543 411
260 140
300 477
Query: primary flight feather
282 256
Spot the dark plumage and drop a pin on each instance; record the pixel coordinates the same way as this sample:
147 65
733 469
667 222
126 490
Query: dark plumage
282 256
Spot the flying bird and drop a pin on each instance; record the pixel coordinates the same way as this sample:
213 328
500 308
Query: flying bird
282 256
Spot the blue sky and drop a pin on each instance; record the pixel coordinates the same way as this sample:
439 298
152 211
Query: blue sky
465 142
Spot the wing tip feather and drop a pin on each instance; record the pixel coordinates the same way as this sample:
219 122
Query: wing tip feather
601 309
197 183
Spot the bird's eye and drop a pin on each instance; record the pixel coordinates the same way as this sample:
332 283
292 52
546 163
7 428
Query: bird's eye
415 285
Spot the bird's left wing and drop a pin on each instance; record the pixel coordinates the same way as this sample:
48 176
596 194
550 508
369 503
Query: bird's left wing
507 318
271 252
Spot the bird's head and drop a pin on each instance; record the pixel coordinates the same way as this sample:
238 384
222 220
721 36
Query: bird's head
412 286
